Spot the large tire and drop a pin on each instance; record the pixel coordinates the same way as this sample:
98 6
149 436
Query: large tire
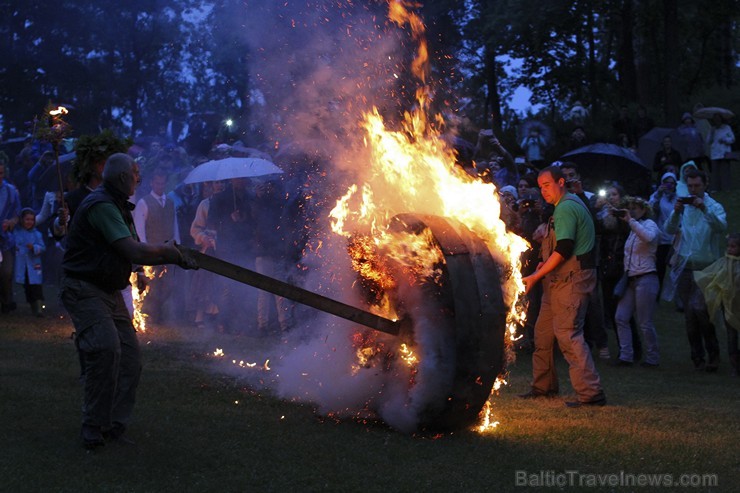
459 326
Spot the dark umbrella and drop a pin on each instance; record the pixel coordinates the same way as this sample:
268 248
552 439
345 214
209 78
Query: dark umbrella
601 162
652 142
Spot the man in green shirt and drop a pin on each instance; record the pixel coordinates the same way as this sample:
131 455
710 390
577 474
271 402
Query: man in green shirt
569 274
102 245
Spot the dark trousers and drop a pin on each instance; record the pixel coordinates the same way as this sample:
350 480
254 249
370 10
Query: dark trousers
109 352
699 327
6 278
661 263
33 292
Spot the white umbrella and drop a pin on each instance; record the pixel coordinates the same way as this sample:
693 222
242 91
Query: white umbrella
708 112
232 167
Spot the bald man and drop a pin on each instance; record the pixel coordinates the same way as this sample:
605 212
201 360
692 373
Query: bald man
102 247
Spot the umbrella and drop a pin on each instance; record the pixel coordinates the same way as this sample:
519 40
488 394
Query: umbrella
232 167
610 162
652 142
708 112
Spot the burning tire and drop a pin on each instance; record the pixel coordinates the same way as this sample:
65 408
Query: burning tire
458 323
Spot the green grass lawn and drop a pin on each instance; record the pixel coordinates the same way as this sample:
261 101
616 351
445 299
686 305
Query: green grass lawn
199 430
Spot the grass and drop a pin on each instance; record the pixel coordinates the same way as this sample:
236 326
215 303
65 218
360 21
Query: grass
198 430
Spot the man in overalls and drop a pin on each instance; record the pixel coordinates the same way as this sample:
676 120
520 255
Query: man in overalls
569 275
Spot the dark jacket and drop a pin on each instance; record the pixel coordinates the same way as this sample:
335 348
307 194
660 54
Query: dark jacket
89 257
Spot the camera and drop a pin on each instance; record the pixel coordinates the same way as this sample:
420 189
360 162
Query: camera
619 212
526 203
687 200
602 192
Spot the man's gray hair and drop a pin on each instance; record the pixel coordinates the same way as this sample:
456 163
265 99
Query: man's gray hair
115 165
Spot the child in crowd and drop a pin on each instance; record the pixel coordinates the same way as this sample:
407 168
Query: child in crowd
720 284
29 245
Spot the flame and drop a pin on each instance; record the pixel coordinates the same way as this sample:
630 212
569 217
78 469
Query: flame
61 110
412 168
487 422
139 317
408 356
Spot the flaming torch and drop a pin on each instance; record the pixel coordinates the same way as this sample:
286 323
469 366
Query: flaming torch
53 129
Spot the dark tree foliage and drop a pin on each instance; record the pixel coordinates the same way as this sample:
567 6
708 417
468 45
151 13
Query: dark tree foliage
129 65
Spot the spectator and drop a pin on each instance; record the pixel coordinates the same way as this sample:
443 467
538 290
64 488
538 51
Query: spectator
29 245
692 139
501 169
578 114
10 208
662 202
269 250
611 260
230 216
682 190
202 293
720 286
702 222
639 299
568 269
176 131
594 330
101 247
666 156
578 138
507 197
720 142
91 153
154 218
532 221
533 145
527 185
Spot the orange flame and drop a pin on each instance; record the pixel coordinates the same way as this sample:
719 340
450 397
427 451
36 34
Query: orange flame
61 110
139 317
413 169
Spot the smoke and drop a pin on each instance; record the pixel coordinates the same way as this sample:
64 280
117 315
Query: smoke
319 65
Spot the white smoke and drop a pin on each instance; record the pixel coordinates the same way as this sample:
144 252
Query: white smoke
320 65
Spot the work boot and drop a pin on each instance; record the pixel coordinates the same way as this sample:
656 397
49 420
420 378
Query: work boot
92 437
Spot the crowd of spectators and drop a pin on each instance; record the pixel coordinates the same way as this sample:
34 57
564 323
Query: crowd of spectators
645 245
256 222
650 247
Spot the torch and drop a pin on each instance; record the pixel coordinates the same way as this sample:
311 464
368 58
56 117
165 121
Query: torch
54 129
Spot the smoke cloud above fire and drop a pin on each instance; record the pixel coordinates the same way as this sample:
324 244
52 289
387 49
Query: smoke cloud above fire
319 67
